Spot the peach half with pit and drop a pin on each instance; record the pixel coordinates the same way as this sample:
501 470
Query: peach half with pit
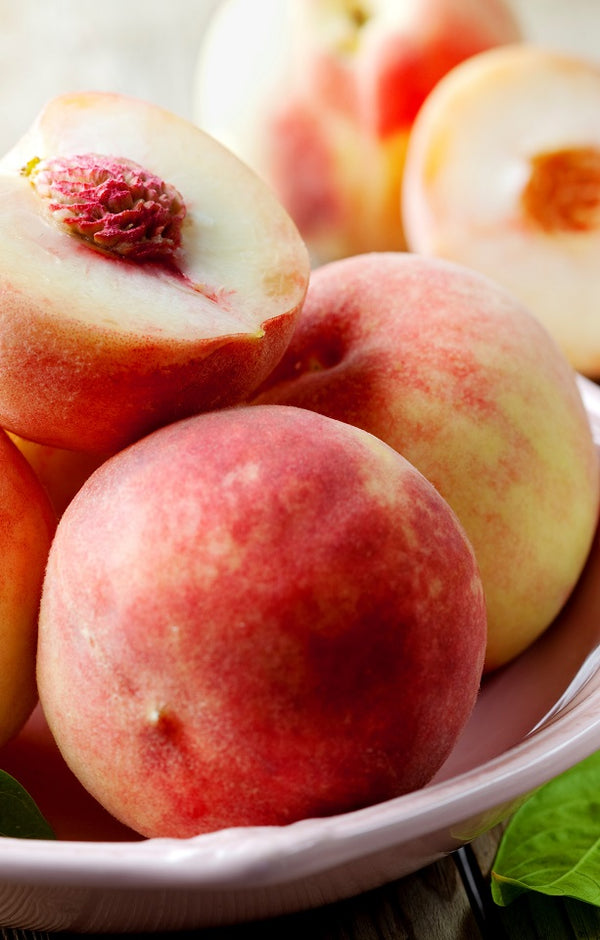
257 615
146 274
323 96
503 175
458 376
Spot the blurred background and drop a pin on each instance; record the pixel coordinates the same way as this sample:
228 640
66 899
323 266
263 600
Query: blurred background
149 48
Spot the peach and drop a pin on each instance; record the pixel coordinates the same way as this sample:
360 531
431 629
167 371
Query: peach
27 527
503 175
452 371
323 96
146 274
256 615
61 472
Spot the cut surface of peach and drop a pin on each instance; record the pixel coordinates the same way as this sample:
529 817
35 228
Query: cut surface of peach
503 175
99 345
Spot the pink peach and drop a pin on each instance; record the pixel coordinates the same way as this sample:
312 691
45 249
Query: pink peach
61 472
26 531
460 378
323 97
253 616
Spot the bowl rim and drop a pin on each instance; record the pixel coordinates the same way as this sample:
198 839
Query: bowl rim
268 855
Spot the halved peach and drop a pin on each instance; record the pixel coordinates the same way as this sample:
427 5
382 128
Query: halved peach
146 274
503 175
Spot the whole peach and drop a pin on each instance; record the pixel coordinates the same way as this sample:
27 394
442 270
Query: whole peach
61 472
323 97
27 524
257 615
460 378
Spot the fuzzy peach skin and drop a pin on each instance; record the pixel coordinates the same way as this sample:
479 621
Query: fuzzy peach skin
61 472
323 96
99 347
253 616
453 372
503 175
27 525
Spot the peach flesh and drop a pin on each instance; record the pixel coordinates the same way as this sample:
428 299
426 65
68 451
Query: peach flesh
562 193
97 350
503 175
272 615
454 373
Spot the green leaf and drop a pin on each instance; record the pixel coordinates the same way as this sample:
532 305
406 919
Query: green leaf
552 843
19 816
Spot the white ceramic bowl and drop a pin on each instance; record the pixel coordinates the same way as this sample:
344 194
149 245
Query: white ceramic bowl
534 718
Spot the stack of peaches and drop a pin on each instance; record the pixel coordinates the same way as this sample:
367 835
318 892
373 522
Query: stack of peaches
276 492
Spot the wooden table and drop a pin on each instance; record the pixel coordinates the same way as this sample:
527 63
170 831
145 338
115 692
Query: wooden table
446 901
